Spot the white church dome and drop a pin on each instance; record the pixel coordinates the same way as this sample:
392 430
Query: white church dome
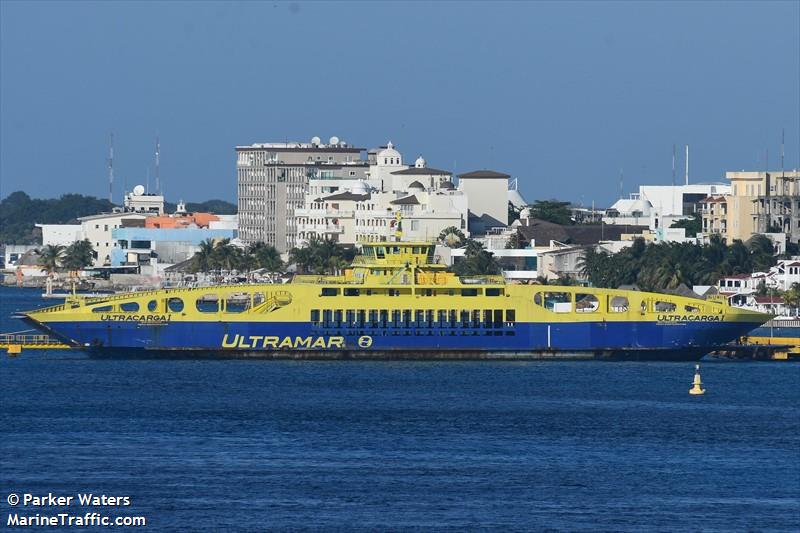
420 162
389 156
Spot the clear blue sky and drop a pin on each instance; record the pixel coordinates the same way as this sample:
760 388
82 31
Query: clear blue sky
560 95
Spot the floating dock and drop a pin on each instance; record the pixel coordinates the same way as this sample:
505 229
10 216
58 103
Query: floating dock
14 343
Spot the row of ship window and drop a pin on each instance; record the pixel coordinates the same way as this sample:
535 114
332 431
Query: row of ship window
406 319
333 291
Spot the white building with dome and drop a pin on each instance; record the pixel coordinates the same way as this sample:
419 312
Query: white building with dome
423 200
420 173
658 206
383 162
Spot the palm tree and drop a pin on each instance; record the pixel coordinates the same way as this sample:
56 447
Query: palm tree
203 259
50 257
761 252
514 241
476 261
792 297
266 257
452 237
78 255
472 248
226 255
587 264
321 256
738 259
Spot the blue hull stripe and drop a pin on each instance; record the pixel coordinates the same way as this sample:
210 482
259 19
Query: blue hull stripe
578 336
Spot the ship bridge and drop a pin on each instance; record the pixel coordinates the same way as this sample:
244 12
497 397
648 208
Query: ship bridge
398 263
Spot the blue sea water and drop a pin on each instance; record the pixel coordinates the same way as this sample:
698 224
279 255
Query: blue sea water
267 445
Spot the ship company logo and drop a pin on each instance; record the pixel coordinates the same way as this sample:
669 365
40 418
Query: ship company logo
136 318
689 318
365 341
260 342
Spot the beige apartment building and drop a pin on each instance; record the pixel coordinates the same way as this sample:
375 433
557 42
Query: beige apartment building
779 211
759 202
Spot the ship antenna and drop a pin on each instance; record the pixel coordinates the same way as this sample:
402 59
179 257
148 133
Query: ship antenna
111 169
620 184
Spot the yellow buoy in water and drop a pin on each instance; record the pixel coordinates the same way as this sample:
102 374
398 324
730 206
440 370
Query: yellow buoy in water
697 383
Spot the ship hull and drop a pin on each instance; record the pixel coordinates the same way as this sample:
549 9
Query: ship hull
302 340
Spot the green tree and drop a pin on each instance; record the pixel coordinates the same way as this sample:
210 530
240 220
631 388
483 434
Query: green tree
227 256
321 256
266 257
78 255
693 225
792 297
514 241
552 211
302 257
761 288
50 257
762 252
218 207
513 213
452 237
737 260
19 213
203 259
477 261
566 281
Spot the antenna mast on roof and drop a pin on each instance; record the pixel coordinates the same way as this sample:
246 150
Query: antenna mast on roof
620 184
111 169
687 165
783 141
673 164
158 174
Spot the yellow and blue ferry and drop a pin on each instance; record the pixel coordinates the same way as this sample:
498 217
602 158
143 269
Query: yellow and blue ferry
396 301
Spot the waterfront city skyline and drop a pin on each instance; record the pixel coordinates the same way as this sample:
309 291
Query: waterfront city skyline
562 96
